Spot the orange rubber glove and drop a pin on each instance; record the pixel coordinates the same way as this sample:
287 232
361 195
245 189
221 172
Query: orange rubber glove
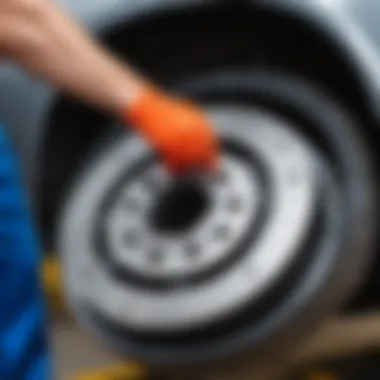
178 131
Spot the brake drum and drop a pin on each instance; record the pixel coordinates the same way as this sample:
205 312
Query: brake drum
197 268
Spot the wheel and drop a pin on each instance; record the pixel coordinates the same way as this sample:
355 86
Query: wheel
196 270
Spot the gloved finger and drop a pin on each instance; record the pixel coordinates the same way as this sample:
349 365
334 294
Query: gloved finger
212 164
173 165
211 158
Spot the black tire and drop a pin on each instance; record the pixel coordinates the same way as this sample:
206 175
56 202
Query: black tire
335 274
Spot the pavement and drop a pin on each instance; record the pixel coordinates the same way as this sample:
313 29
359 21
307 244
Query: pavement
75 352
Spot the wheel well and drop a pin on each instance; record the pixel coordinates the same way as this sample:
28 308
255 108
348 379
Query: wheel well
174 46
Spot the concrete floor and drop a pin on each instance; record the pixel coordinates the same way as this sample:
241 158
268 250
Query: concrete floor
343 336
75 352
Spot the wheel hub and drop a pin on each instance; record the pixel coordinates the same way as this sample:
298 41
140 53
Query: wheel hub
178 229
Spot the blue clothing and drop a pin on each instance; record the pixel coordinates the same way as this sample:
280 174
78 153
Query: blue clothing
23 339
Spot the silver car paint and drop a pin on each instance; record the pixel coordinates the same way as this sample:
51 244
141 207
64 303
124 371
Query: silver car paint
25 101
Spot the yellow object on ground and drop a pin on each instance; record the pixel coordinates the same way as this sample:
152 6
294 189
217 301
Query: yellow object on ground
52 280
127 371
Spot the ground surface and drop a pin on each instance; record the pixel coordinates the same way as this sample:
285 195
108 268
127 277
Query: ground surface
75 352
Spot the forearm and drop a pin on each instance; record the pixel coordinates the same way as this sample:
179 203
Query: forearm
45 41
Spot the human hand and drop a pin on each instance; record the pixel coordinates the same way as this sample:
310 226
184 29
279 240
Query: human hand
177 130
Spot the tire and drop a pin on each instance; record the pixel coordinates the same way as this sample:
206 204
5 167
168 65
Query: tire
325 279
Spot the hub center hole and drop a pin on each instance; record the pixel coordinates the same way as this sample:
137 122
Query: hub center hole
180 207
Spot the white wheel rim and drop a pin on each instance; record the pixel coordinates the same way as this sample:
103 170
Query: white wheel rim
295 189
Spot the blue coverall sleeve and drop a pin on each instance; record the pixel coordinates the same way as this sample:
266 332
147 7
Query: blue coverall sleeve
23 322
